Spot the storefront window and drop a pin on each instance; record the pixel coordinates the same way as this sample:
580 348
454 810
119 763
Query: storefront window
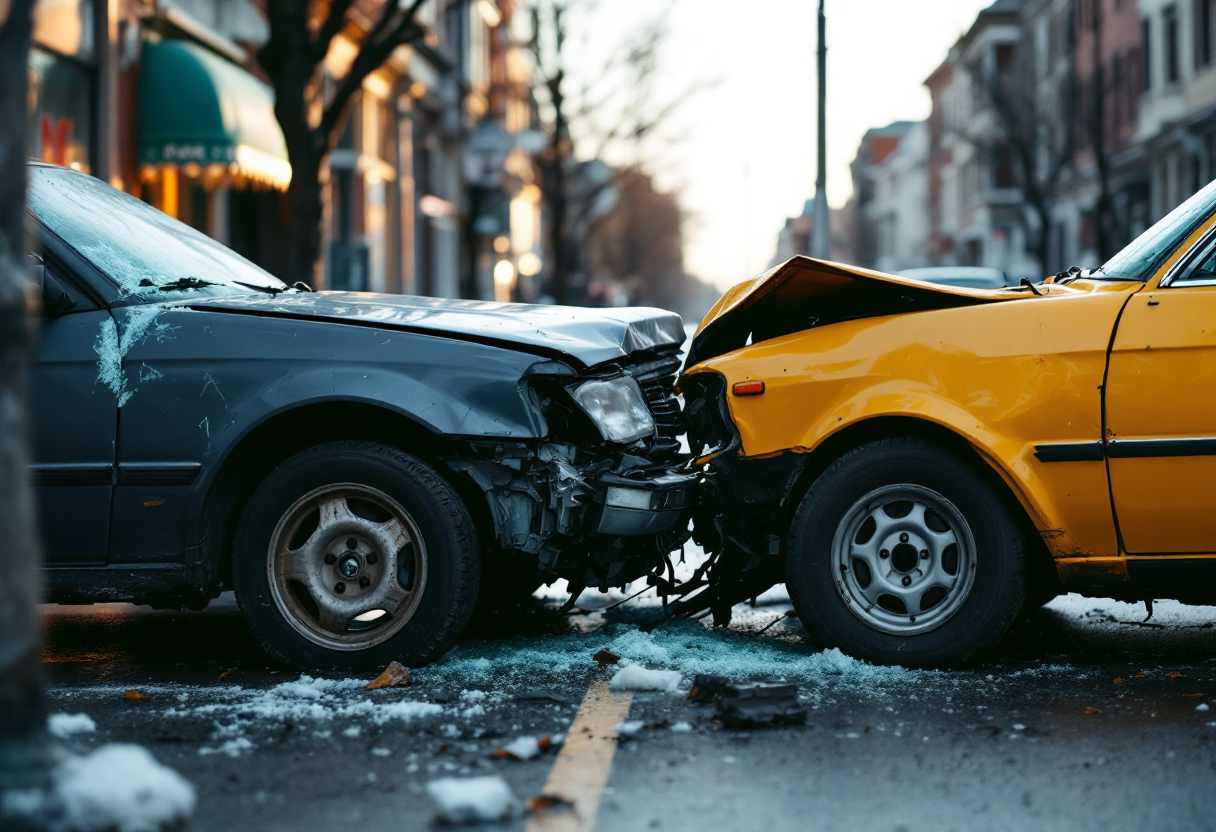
61 111
65 26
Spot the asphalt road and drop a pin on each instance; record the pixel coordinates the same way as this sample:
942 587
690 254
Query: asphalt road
1084 719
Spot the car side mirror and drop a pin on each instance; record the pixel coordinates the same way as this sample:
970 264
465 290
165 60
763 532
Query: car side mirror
55 298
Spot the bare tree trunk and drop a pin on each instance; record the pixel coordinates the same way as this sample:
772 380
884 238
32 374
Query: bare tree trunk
23 748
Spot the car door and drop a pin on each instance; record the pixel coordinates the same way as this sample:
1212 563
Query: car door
1161 411
73 424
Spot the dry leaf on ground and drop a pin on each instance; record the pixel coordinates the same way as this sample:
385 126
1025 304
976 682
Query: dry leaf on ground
394 676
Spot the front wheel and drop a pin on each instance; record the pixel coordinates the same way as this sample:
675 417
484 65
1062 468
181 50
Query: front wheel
353 555
906 552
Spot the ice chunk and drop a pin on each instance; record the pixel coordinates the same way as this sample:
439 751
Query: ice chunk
629 727
473 799
64 725
381 752
681 727
1202 706
636 677
121 787
524 748
233 747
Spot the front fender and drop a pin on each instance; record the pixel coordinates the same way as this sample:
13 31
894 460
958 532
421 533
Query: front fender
1006 377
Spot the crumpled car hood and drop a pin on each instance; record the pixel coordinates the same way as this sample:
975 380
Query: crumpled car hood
803 293
588 336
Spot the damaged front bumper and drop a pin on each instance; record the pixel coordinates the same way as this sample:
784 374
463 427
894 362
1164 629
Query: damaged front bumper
595 523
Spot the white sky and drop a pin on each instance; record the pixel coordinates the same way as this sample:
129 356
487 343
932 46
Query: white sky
761 114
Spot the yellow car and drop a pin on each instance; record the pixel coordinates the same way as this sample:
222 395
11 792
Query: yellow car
917 462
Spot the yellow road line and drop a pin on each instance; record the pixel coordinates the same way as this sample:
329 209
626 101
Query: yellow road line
581 771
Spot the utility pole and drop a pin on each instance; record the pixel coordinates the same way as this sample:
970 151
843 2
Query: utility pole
821 233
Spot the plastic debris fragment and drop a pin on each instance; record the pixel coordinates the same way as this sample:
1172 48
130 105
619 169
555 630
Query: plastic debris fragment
394 676
706 687
606 657
760 704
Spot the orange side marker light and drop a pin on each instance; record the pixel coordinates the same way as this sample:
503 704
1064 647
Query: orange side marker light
748 388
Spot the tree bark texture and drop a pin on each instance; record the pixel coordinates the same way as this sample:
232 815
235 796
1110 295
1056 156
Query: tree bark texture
22 718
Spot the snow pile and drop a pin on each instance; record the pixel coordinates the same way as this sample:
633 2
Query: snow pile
65 725
121 787
636 677
473 799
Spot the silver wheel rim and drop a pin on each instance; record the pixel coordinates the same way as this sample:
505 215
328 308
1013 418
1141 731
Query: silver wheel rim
343 596
903 559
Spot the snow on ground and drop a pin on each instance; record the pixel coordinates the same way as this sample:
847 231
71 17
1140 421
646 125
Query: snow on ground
63 726
473 799
117 788
1165 613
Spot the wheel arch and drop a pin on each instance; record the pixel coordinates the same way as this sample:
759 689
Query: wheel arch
279 436
856 434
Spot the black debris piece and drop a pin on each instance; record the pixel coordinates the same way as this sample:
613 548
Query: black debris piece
606 657
706 687
759 704
541 696
441 696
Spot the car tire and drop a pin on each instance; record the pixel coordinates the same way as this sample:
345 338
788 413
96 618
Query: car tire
908 608
352 525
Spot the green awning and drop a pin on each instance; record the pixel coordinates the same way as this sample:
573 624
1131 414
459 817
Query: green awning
197 107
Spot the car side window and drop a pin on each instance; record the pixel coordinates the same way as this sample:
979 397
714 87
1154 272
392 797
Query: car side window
1201 271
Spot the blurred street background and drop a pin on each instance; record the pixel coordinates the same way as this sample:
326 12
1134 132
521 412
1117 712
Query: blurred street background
637 152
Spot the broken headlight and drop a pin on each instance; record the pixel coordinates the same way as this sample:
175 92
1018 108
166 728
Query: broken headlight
617 407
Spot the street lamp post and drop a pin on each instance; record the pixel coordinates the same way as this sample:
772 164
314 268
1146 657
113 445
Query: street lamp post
821 233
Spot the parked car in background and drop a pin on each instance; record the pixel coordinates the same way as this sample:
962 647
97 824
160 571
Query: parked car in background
919 461
970 277
358 467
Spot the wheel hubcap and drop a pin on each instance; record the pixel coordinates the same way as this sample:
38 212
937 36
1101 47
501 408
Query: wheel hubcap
904 559
347 566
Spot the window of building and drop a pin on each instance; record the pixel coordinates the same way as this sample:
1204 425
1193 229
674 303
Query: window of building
61 93
1003 174
1203 31
61 111
1146 54
1169 25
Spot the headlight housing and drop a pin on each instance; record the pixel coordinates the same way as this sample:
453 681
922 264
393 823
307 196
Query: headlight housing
617 407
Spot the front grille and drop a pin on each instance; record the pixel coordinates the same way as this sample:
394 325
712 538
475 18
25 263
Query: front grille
658 380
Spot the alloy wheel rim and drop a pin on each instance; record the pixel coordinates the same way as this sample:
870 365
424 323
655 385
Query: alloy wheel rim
903 559
347 566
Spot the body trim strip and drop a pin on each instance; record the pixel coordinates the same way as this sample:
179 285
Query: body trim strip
1069 452
158 473
69 473
1125 449
1146 448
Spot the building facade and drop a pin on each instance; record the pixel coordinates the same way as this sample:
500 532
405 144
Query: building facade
890 192
428 189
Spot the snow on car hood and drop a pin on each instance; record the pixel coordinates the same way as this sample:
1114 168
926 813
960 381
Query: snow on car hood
803 293
589 336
